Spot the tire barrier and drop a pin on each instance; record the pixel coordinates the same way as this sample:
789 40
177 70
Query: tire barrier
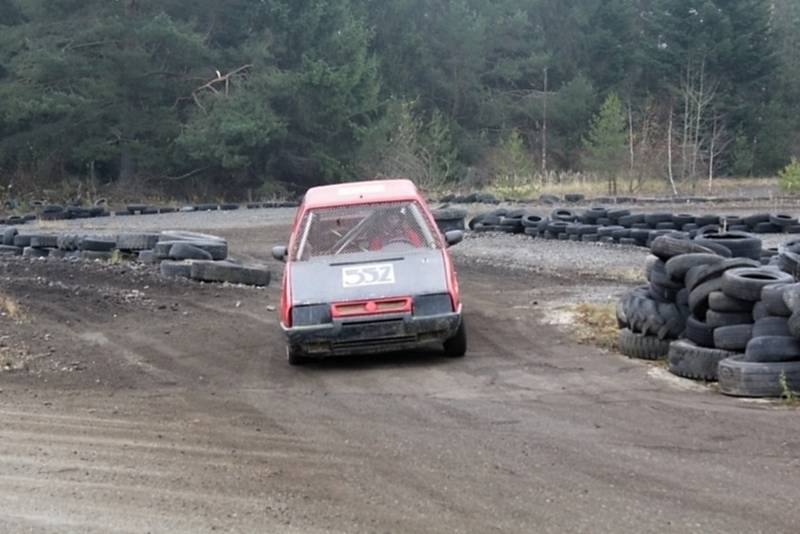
718 314
611 225
178 254
56 212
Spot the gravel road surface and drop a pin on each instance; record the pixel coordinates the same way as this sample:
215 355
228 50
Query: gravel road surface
135 404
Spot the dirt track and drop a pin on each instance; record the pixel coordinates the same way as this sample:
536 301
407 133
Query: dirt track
154 406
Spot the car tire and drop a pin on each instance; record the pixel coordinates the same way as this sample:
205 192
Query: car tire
772 297
688 360
740 378
642 346
747 283
715 319
719 301
734 338
699 332
678 266
456 346
771 326
226 271
770 349
741 244
295 357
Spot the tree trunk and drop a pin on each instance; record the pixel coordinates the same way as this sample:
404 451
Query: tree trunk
544 126
669 154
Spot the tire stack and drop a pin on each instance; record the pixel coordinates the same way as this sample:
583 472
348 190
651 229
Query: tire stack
724 304
650 317
448 218
769 365
190 255
601 224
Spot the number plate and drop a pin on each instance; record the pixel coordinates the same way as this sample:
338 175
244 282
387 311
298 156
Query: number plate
367 275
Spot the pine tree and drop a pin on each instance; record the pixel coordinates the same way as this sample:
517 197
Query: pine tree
605 143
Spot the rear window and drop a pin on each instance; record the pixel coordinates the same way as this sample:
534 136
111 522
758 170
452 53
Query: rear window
387 227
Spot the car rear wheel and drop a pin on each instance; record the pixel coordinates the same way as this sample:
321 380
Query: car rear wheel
456 346
294 356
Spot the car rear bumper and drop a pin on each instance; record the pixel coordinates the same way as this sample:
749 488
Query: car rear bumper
369 335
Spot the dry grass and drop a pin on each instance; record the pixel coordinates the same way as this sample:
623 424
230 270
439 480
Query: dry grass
10 308
596 324
593 186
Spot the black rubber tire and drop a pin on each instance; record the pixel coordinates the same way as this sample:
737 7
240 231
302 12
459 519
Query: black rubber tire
766 228
136 208
698 297
97 244
688 360
791 297
641 346
563 215
663 294
629 241
135 242
22 240
658 274
295 357
176 269
31 252
741 378
557 227
616 214
755 219
772 297
734 337
654 218
217 249
715 319
698 275
44 241
476 220
747 283
706 220
719 301
677 266
782 220
666 247
456 346
226 271
793 324
181 235
760 311
771 326
531 221
682 219
446 214
8 236
698 332
741 244
185 250
773 349
9 250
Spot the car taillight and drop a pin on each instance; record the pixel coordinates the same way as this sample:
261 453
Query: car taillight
311 315
433 304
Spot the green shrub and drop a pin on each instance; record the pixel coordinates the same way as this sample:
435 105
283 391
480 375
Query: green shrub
789 177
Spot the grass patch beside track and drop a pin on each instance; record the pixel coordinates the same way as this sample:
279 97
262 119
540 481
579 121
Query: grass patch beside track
10 308
596 324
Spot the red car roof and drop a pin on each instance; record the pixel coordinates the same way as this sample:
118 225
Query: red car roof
351 193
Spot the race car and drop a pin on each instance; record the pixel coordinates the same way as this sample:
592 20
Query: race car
368 271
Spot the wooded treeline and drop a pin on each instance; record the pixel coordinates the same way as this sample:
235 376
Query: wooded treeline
243 95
